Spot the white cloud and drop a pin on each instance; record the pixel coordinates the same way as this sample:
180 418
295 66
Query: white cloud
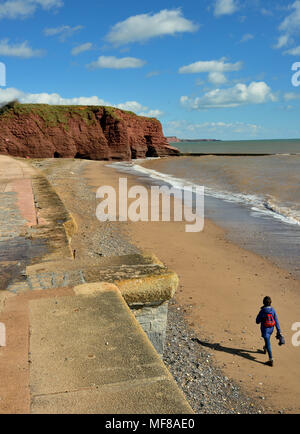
266 12
293 51
247 37
291 23
22 50
23 8
151 113
240 94
283 40
48 4
142 27
290 26
217 78
82 48
10 94
138 108
236 127
289 96
210 66
225 7
113 62
207 130
64 32
153 74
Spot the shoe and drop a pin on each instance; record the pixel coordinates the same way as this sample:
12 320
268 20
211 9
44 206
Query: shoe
265 350
269 363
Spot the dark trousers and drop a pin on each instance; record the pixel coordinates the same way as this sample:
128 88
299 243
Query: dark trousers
268 346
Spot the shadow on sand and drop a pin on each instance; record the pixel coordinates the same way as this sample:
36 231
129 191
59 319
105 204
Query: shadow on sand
246 354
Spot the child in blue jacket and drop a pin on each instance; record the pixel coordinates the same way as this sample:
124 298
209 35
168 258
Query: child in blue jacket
267 317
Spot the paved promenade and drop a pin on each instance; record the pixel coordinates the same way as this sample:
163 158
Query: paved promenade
72 343
17 213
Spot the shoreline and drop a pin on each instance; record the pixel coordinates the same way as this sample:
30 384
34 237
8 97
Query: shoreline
224 315
278 227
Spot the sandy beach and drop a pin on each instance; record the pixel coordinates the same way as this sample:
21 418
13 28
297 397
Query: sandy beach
221 291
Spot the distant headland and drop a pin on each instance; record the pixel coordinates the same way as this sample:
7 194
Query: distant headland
174 139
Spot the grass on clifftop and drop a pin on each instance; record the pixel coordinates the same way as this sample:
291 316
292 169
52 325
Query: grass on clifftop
54 115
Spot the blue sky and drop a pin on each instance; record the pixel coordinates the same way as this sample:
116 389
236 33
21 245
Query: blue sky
206 69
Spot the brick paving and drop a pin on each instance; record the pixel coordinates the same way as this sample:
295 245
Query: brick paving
17 214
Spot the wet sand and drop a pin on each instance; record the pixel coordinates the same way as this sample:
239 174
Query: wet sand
221 291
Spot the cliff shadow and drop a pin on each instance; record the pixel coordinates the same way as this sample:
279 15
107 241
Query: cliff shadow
133 153
151 151
80 156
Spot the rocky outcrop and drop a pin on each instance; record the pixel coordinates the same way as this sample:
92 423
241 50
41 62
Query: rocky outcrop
89 132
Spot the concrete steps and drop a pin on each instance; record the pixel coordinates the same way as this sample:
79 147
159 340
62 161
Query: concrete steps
69 273
51 275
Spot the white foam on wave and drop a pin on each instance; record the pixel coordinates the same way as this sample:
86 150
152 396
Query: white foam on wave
272 205
259 204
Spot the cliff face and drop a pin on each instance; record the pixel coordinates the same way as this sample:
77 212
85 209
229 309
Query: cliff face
90 132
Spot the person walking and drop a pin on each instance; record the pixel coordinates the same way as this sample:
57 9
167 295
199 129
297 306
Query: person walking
267 318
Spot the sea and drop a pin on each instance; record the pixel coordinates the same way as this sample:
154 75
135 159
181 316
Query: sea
252 190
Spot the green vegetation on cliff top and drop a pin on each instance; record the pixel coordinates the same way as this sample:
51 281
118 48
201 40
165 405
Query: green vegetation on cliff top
54 115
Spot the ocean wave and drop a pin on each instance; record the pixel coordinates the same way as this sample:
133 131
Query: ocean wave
272 205
260 204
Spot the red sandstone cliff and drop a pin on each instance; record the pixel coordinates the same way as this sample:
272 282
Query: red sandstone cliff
98 133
